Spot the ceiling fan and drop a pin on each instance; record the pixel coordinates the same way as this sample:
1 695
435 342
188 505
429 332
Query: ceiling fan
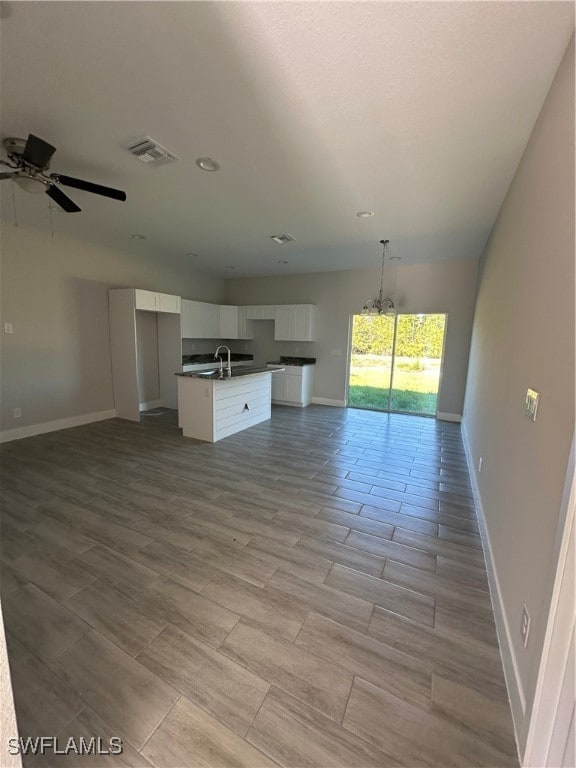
30 161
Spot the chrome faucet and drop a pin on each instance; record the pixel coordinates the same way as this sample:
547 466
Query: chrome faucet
218 356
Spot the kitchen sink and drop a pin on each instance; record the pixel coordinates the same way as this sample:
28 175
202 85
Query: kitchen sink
206 373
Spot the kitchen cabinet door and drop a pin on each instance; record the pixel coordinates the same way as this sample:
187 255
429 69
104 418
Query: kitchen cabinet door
292 389
211 321
186 319
228 322
283 323
295 322
245 326
302 322
146 300
278 385
260 312
168 303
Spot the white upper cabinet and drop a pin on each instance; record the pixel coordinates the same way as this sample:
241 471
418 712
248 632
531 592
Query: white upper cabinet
147 300
261 312
228 322
245 326
150 301
234 323
200 320
169 303
295 322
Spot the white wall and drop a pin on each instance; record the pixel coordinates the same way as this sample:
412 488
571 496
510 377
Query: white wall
56 364
524 337
445 286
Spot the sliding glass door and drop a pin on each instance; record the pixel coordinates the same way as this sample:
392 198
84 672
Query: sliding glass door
395 362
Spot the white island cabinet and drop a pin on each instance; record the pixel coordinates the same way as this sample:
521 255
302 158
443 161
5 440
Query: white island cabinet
212 408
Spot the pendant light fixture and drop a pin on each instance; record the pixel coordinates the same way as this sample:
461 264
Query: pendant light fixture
381 305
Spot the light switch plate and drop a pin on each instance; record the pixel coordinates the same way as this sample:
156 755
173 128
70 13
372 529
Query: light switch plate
531 404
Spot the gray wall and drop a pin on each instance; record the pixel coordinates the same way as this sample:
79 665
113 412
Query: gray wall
147 344
54 291
441 287
524 337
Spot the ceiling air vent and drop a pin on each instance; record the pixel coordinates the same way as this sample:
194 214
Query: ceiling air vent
150 152
282 239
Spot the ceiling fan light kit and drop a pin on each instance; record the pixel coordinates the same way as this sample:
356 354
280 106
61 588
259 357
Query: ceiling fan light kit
30 161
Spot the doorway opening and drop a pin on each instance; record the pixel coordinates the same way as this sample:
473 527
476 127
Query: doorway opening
396 362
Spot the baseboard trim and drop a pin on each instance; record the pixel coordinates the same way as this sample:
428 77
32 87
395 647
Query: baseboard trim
441 416
328 401
509 662
7 435
150 405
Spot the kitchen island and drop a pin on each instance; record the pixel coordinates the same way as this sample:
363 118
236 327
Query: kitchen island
213 405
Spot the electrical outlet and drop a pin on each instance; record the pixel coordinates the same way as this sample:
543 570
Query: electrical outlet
480 462
8 328
525 625
17 413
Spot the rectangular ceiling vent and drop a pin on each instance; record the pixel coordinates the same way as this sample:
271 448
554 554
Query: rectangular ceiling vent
150 152
282 239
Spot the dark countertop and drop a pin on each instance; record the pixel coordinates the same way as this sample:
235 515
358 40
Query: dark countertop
287 360
236 373
208 357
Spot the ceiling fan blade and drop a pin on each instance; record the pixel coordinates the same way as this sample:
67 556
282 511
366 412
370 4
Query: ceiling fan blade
61 199
6 175
87 186
37 152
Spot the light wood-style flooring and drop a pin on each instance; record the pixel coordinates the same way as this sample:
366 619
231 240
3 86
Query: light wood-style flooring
309 592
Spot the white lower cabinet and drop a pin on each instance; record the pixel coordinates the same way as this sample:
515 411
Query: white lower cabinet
293 386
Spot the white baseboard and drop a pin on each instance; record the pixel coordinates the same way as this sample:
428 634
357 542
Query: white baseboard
509 661
53 426
328 401
150 405
448 416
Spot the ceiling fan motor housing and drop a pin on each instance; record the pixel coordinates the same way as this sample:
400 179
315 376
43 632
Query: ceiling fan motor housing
31 158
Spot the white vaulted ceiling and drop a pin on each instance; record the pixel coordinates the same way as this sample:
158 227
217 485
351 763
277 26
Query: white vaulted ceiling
417 111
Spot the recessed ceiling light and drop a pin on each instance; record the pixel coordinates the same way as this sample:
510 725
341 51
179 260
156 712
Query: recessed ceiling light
282 239
395 258
139 237
229 267
207 164
281 261
193 255
365 214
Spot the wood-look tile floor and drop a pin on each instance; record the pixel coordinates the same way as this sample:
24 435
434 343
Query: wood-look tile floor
309 592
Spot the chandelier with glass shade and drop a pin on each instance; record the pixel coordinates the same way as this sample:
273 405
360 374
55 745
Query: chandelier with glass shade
381 305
